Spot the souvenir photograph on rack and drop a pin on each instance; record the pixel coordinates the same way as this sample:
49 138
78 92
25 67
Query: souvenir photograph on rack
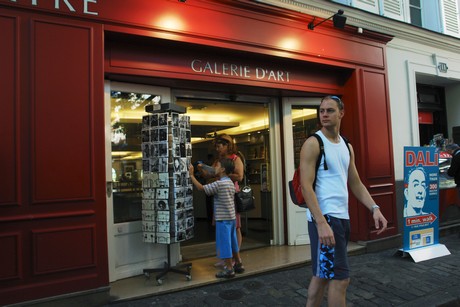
189 233
175 134
177 179
162 205
148 204
149 237
162 134
190 222
153 120
178 165
145 136
163 164
179 203
162 194
163 149
188 202
163 238
146 150
148 215
175 119
180 224
149 194
162 119
162 181
179 192
154 135
163 227
154 164
149 226
146 122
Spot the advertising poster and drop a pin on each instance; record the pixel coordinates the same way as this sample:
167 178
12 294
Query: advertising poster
421 197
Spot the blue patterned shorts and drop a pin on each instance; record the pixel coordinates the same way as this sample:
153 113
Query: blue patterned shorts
330 262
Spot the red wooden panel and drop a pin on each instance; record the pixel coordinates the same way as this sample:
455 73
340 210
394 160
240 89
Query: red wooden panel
10 256
376 120
62 112
9 181
64 249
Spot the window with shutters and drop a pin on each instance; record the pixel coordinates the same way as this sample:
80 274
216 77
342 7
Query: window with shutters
393 9
450 18
367 5
415 11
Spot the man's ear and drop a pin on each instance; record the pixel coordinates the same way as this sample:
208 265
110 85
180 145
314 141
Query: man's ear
405 193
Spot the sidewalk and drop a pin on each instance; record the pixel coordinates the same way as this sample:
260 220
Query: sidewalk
377 279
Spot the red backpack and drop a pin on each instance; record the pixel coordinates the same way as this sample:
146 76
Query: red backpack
295 189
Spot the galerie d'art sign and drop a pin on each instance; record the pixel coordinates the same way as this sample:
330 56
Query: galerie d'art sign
214 68
421 197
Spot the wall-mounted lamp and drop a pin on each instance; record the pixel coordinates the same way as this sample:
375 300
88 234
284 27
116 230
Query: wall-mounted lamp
338 19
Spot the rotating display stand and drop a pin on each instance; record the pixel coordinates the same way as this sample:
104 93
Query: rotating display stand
167 201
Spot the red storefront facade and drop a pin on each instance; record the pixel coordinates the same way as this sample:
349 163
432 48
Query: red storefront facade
54 59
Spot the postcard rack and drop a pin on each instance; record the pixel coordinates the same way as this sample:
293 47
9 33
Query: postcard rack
167 198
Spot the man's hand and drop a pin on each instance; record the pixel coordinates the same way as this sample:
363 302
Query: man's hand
325 234
379 218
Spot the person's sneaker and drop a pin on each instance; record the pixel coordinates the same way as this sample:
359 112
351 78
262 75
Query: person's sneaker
221 264
238 268
226 273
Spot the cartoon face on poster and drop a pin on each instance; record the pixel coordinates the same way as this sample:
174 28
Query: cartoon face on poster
421 197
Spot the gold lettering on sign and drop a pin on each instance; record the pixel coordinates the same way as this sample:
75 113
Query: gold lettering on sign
240 71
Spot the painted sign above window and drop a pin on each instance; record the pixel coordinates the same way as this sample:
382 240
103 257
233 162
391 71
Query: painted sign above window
239 71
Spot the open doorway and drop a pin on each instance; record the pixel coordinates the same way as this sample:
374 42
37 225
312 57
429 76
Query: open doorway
246 120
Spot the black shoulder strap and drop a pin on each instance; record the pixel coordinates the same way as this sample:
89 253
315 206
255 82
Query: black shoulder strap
321 152
346 143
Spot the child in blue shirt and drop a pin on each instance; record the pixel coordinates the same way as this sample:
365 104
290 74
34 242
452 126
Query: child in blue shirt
223 190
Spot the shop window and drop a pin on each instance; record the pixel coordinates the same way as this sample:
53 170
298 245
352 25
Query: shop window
126 114
305 122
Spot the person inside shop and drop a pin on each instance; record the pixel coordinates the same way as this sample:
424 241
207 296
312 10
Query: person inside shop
225 148
454 169
327 214
415 192
223 190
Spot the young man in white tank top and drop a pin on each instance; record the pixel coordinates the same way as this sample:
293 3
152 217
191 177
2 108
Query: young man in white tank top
328 205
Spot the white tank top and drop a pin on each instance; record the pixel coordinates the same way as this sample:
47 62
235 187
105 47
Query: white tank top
331 184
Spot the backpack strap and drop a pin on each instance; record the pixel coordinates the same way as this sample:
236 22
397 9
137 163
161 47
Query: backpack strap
323 153
346 143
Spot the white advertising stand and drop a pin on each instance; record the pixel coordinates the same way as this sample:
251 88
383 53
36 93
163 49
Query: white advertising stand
167 201
421 204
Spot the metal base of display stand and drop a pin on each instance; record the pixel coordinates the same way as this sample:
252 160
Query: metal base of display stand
184 268
426 253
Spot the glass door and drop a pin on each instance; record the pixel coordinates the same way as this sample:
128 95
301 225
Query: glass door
300 121
124 107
